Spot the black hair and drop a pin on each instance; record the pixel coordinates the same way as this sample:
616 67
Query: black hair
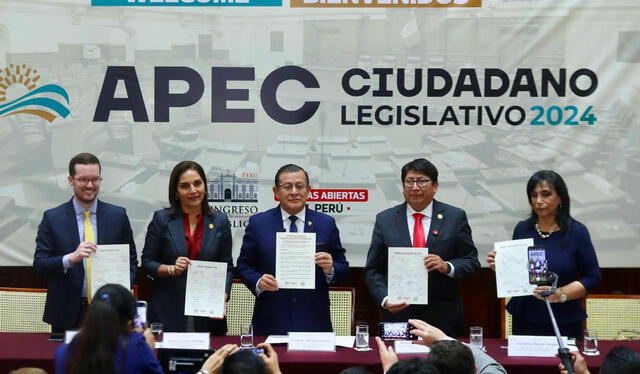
621 360
243 362
289 168
355 370
174 178
422 165
413 365
83 159
554 180
452 357
107 321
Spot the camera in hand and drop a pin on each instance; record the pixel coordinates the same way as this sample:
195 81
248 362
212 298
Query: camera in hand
257 351
396 331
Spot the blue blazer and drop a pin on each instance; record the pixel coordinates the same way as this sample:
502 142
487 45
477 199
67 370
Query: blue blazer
571 255
165 242
57 236
278 312
453 243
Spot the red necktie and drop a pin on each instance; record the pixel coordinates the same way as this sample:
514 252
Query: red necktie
419 240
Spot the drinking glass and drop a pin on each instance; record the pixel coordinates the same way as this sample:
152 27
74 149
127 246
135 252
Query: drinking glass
590 347
246 335
362 337
475 336
156 329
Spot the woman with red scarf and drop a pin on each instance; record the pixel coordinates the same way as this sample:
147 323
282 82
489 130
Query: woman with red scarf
188 230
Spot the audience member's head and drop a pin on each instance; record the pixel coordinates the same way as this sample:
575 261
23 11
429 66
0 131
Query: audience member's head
109 317
452 357
414 365
621 360
243 362
355 370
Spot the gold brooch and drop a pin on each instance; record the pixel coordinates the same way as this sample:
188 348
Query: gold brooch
211 225
440 216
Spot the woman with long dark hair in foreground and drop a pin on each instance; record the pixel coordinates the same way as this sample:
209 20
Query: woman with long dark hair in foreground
107 342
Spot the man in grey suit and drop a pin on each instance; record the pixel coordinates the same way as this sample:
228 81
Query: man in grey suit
422 221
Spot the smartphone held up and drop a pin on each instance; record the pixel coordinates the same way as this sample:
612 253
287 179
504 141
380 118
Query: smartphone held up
396 331
537 264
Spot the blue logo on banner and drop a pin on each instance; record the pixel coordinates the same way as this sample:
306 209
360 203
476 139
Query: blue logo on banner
19 94
186 2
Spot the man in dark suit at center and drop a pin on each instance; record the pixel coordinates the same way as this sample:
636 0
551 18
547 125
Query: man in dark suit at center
69 234
279 311
422 221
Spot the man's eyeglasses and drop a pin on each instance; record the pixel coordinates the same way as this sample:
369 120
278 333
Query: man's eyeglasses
420 182
289 187
85 181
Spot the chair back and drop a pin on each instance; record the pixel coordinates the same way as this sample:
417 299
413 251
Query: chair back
342 307
611 315
239 307
505 317
21 310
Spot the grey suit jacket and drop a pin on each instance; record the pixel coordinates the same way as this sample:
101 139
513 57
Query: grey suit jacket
450 238
485 364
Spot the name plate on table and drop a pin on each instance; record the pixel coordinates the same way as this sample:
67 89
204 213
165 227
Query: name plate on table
184 340
406 346
535 346
277 339
312 341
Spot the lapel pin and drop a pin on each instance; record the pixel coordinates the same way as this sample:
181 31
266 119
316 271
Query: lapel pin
440 216
309 223
435 232
211 225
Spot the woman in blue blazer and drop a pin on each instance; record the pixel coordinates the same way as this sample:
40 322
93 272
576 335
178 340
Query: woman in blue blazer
569 253
188 230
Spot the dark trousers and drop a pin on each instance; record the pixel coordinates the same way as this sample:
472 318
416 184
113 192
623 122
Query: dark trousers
85 307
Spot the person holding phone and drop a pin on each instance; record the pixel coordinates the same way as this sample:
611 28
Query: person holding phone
108 343
188 230
569 253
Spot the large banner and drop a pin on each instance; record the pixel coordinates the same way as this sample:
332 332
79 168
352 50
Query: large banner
489 90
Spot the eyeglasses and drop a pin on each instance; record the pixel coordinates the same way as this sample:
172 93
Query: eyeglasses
420 182
85 181
289 187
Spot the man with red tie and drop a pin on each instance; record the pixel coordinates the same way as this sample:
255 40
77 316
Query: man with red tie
422 221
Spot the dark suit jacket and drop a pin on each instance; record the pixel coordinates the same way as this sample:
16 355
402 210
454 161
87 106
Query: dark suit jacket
57 236
278 312
453 243
165 242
